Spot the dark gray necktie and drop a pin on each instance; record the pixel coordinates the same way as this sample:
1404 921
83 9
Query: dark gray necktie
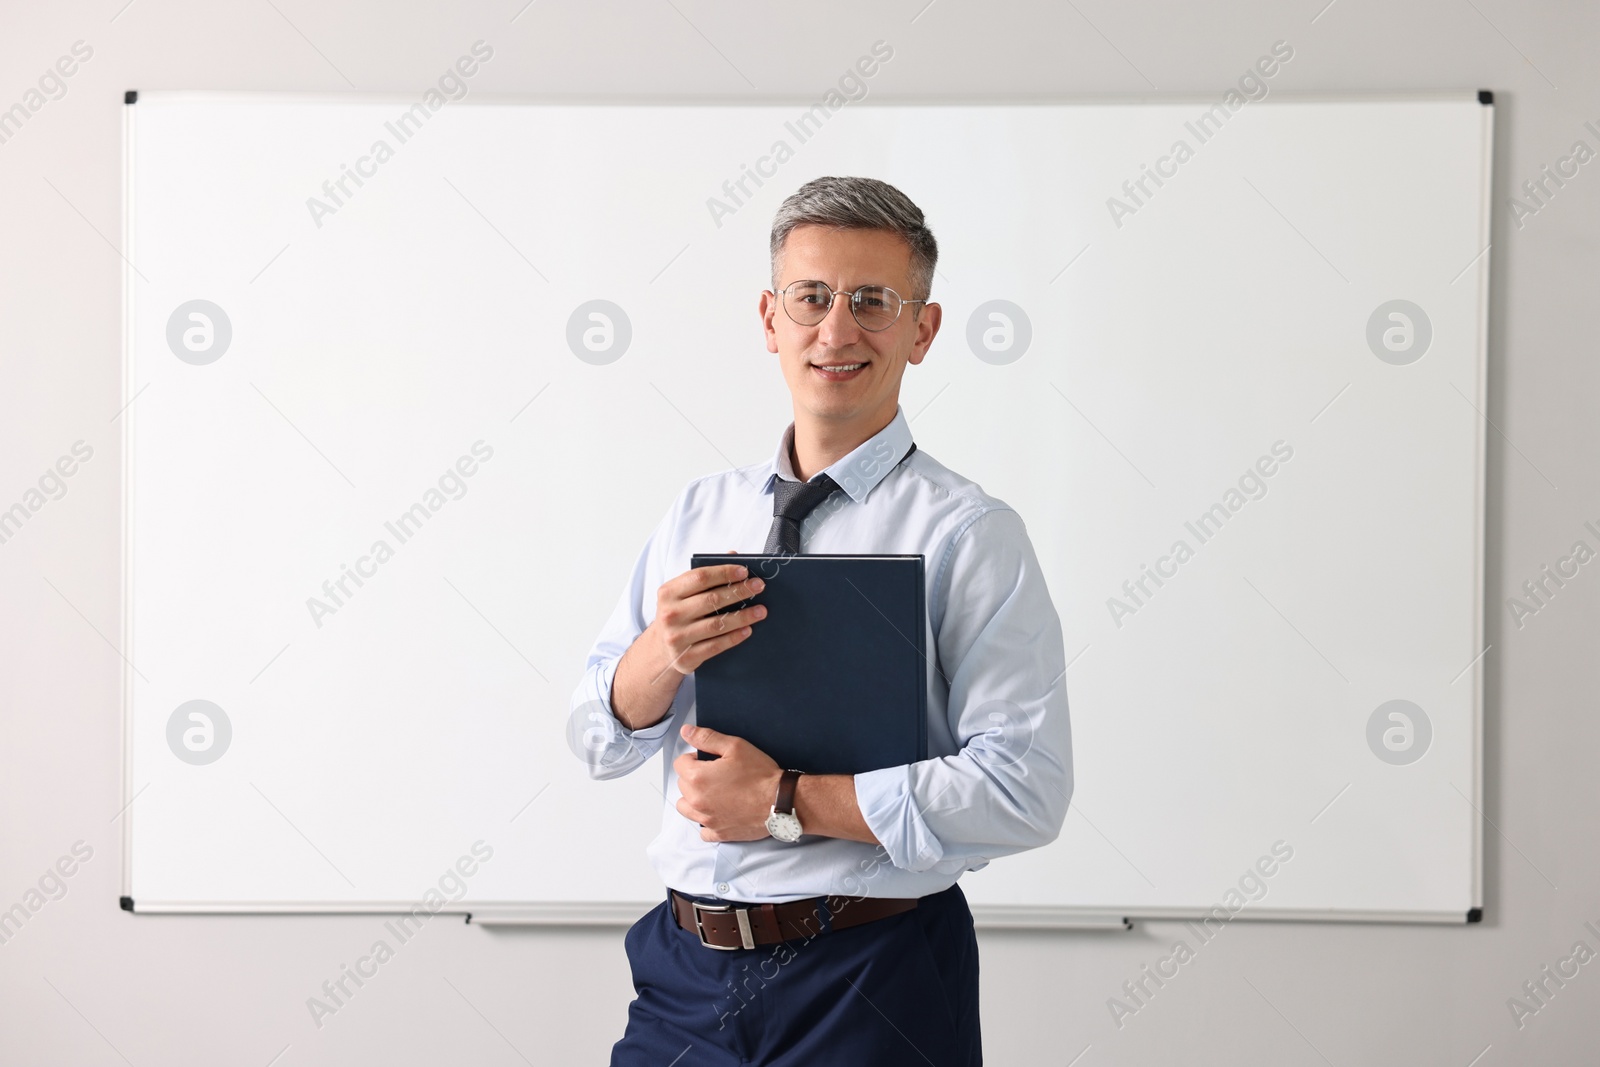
791 503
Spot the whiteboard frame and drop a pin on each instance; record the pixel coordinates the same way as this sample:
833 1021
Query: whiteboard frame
994 917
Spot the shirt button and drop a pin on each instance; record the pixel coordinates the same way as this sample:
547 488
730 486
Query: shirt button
723 889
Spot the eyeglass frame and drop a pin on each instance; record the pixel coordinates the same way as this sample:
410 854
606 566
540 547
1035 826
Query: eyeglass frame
784 300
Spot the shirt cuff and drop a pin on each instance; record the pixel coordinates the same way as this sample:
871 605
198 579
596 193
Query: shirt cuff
891 812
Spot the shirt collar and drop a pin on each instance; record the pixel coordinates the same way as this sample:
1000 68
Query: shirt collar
859 471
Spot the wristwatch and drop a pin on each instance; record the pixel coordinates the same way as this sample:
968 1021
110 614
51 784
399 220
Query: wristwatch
783 823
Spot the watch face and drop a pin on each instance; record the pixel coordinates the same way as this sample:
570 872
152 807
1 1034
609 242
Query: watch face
784 826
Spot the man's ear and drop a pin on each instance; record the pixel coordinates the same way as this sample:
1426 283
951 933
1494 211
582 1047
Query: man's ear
927 328
767 307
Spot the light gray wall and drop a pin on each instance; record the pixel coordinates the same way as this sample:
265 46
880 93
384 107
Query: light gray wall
85 983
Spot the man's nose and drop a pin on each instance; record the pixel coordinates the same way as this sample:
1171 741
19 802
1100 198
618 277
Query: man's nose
839 327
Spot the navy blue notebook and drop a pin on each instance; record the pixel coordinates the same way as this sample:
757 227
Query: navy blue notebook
835 679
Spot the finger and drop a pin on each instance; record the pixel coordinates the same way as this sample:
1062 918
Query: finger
725 623
690 812
691 658
707 606
698 579
705 739
698 615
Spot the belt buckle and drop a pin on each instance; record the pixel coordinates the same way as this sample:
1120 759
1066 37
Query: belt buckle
741 915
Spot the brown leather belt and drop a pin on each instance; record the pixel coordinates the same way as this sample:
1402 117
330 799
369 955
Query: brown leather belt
731 926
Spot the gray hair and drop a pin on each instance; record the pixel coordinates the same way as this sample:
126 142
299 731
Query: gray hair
859 204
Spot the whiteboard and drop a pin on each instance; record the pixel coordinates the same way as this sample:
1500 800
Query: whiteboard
1306 290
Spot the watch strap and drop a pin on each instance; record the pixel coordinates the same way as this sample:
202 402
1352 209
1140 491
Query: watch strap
784 804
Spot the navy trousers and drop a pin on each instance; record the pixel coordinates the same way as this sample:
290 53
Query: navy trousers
900 990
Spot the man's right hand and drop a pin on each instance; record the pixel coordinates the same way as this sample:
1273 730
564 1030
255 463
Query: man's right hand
684 634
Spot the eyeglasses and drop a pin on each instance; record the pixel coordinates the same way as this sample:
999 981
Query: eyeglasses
875 307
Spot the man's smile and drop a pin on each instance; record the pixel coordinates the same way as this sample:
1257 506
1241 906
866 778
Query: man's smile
839 370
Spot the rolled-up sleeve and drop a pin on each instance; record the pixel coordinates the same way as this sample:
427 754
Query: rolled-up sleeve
594 733
1000 645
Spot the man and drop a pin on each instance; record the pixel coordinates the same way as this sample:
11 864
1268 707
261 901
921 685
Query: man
845 939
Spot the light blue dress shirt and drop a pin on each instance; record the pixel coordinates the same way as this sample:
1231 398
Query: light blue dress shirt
999 776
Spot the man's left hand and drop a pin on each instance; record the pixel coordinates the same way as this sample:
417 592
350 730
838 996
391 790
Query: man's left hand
729 797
